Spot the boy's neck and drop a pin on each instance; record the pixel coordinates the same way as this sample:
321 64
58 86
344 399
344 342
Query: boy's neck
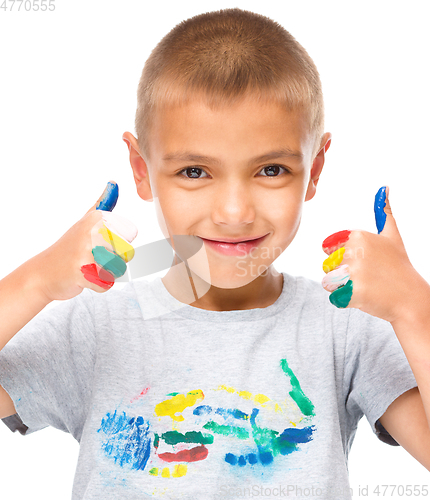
263 291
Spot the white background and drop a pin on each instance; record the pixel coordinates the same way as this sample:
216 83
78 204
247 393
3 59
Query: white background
68 92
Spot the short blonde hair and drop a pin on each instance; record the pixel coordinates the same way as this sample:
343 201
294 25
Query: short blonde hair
224 56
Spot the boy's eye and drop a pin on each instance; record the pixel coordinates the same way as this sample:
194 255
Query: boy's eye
272 170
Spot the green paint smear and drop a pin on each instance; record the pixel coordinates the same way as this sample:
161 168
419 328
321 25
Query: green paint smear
156 440
172 394
268 440
342 296
227 430
303 402
109 261
175 437
263 437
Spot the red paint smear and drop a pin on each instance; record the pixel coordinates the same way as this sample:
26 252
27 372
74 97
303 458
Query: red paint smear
140 395
335 241
193 455
101 278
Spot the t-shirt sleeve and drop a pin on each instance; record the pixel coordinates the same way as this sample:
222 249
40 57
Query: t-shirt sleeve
47 368
376 370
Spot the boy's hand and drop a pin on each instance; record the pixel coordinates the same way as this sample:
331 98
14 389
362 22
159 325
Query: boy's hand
371 272
91 254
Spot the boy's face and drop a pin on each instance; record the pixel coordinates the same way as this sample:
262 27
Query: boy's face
231 193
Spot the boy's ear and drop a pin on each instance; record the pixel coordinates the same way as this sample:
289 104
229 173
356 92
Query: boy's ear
317 166
139 167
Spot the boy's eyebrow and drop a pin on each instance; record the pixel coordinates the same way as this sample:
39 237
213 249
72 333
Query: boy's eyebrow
190 156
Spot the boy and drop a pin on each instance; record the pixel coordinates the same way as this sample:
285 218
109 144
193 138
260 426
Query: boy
257 383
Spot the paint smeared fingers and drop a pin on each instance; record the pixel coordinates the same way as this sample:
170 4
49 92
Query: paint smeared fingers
109 261
342 296
102 236
336 278
380 203
97 275
335 241
335 260
120 225
109 197
118 244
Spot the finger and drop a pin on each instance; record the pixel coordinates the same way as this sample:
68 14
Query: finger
336 278
108 198
335 260
119 225
342 296
390 228
109 261
97 275
119 246
380 215
335 241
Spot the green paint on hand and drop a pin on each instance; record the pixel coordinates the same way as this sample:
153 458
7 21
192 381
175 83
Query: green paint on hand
175 437
109 261
303 402
227 430
263 437
342 296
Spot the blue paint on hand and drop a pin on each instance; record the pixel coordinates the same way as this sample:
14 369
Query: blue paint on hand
380 215
109 197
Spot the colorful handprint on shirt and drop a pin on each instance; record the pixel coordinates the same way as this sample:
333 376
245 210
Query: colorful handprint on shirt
131 442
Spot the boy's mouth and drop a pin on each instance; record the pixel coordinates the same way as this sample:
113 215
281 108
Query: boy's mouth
234 241
238 247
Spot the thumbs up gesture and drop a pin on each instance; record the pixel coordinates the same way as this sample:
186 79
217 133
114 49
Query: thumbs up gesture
370 272
118 232
91 254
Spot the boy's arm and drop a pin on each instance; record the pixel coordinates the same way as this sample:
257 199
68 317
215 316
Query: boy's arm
21 300
62 271
381 281
407 419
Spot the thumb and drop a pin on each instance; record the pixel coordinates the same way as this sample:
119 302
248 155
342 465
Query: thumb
108 199
385 221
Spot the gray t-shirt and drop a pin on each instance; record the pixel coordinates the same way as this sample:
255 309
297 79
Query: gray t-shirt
172 401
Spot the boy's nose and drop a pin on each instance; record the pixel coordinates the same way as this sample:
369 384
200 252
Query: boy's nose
234 206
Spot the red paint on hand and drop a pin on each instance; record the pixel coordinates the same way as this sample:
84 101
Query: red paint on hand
97 275
194 455
335 241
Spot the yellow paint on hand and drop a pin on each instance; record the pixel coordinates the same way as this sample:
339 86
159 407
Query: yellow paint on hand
261 398
258 398
120 246
177 404
231 390
334 260
165 472
179 470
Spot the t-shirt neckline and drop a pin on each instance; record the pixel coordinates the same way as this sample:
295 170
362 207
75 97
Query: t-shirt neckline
169 302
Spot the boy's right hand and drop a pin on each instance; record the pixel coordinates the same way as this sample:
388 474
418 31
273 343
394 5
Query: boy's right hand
91 254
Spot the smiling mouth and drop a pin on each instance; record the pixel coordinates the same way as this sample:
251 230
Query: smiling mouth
235 241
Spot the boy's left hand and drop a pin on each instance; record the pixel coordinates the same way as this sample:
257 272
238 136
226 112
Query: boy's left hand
371 272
